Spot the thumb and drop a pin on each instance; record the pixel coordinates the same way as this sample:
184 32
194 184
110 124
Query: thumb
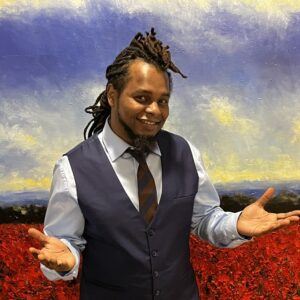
268 194
38 235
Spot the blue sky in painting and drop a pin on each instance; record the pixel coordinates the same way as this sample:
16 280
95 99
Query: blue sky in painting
240 104
60 48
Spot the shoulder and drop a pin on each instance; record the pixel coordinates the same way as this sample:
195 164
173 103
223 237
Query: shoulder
178 138
170 137
169 140
84 144
173 143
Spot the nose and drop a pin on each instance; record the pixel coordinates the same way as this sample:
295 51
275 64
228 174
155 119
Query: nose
153 108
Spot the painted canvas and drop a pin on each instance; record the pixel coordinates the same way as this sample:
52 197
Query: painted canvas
239 106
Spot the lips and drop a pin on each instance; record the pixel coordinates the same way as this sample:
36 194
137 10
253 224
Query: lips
150 124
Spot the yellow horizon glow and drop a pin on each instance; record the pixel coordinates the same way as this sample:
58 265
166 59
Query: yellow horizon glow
17 184
234 170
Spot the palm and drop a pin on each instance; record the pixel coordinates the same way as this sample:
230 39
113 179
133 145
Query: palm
255 220
54 254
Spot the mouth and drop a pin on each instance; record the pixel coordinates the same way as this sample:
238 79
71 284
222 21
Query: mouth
150 124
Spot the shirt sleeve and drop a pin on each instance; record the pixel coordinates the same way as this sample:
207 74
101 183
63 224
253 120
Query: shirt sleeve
64 218
209 221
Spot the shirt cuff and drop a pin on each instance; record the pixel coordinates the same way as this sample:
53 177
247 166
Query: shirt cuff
236 238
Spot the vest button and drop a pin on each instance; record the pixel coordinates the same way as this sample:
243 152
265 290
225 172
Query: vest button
151 232
156 274
157 292
154 253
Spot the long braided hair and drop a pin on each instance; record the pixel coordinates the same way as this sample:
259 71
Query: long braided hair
148 48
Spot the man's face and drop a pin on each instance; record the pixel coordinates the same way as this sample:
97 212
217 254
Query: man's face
142 107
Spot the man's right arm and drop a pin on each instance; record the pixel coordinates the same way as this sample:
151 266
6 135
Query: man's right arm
64 218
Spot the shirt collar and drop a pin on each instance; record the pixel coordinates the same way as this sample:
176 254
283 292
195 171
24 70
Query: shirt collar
115 146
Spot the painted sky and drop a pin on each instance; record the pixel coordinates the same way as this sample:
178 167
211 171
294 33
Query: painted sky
240 104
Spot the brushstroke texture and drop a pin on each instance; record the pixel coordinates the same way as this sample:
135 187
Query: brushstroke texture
240 104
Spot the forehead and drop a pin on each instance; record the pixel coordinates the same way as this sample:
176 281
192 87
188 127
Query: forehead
147 76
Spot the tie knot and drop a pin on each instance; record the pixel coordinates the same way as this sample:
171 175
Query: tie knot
138 155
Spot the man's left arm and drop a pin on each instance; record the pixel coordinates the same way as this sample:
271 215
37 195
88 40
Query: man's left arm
224 229
209 221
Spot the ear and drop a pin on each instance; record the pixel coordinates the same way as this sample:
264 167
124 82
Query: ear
111 95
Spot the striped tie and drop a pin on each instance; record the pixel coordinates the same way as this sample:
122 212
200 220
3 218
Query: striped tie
146 187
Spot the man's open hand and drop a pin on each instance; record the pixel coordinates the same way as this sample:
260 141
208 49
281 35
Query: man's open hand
255 221
54 254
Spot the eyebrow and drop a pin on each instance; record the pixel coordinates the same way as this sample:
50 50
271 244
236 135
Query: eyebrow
142 91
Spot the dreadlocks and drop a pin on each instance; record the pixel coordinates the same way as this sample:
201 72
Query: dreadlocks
148 48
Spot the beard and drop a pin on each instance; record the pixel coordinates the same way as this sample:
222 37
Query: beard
142 143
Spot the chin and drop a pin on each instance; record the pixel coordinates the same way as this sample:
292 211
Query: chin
143 140
144 143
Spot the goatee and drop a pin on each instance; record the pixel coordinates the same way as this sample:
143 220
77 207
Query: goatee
142 143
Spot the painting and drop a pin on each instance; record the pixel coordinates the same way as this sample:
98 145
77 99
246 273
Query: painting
239 105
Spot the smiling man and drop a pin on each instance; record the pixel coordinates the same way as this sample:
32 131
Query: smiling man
141 109
131 193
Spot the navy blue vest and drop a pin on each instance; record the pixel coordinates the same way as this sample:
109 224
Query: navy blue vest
126 259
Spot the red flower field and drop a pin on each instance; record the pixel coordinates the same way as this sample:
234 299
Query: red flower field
267 268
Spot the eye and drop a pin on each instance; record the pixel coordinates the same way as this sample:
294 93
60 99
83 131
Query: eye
163 101
141 99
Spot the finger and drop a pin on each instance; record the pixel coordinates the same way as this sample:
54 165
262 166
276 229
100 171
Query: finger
288 214
53 263
262 201
278 224
41 257
35 252
47 264
284 222
38 235
64 265
293 218
47 260
61 265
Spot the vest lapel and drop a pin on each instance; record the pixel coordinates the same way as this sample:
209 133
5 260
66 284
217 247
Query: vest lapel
114 184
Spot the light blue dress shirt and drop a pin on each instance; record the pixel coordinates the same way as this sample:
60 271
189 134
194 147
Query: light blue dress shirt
64 218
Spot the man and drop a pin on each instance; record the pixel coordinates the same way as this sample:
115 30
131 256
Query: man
131 193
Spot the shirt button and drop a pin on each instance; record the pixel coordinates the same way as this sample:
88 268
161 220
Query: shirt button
156 274
154 253
157 292
151 232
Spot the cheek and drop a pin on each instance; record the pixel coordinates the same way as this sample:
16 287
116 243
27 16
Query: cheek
135 110
165 114
126 110
130 115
